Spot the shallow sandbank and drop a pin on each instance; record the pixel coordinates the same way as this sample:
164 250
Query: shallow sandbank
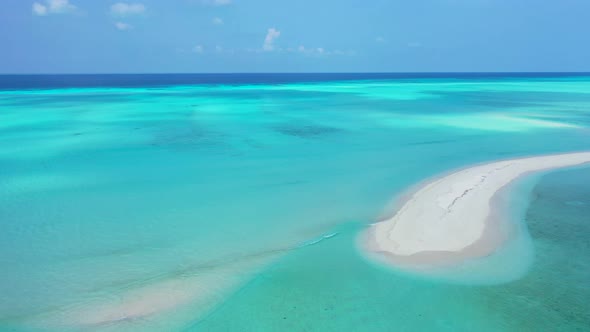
455 217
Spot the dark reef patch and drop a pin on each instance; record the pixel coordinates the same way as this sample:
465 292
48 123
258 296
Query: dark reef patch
305 131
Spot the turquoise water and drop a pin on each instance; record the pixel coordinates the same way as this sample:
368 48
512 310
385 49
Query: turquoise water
236 207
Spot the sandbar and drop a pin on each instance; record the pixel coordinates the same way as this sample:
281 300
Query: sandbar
452 218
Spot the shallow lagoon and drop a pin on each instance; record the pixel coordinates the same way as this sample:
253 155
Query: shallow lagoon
209 193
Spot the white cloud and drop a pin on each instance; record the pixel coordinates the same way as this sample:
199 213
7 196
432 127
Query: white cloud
216 2
53 7
198 49
123 26
217 21
271 35
127 9
380 39
60 6
346 53
314 51
39 9
320 51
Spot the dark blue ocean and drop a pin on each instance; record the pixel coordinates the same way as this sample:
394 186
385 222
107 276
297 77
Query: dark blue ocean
160 80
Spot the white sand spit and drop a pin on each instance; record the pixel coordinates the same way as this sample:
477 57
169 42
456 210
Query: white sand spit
451 217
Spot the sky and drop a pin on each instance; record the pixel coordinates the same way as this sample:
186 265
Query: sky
195 36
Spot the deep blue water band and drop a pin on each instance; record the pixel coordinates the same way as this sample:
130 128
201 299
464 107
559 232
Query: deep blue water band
11 82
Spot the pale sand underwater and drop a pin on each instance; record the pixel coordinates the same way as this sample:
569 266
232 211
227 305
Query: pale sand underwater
453 218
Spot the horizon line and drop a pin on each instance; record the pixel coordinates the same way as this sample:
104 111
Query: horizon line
306 73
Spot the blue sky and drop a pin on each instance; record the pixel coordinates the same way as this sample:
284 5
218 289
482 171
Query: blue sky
97 36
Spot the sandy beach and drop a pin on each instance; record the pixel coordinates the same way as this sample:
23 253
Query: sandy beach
453 218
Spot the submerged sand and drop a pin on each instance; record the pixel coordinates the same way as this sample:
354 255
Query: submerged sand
172 301
453 218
